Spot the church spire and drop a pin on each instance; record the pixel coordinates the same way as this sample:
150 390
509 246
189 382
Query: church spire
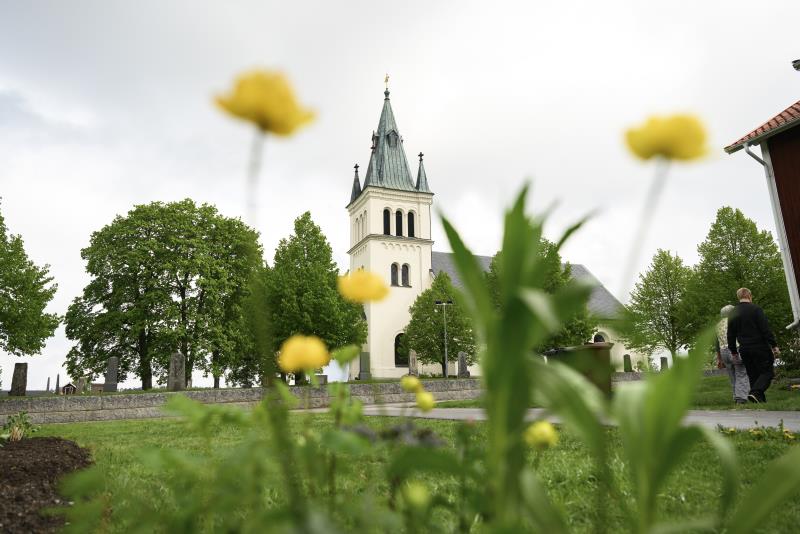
356 185
388 167
422 178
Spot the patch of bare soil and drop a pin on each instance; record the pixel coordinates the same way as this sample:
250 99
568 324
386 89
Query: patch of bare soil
29 474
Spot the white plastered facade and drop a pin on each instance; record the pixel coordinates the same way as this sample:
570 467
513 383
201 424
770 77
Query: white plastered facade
375 251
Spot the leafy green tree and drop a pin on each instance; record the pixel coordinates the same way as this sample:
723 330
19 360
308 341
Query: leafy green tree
25 291
165 277
425 332
302 294
555 275
256 352
737 254
657 311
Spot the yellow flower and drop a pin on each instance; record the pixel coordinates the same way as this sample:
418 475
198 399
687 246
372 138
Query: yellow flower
541 435
425 401
266 99
362 286
303 353
411 384
416 495
680 137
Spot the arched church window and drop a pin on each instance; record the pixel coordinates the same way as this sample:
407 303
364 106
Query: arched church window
394 274
364 225
400 351
410 224
387 218
398 222
404 276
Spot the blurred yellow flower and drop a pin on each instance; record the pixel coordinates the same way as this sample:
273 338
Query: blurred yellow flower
362 286
679 137
303 353
541 435
425 401
411 384
266 99
416 495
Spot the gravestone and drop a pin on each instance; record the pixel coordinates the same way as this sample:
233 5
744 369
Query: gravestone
58 387
112 368
463 370
19 380
664 363
413 370
363 366
177 372
80 386
626 363
47 388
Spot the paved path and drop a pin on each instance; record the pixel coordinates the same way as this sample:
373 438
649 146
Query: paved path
739 419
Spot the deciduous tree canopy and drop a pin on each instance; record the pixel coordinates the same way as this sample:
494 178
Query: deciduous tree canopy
657 312
302 294
25 291
425 332
165 277
737 254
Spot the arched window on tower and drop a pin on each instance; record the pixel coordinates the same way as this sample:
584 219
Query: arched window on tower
387 219
398 222
404 275
394 274
400 352
411 224
364 225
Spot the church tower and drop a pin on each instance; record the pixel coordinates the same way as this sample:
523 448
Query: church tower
390 235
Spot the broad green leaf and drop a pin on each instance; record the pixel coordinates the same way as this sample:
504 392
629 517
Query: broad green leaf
346 354
541 511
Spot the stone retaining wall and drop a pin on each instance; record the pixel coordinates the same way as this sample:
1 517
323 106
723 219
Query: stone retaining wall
76 408
635 375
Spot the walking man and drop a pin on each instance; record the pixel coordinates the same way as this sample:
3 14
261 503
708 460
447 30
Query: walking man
757 346
740 383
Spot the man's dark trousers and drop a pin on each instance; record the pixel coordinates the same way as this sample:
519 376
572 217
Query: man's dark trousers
759 363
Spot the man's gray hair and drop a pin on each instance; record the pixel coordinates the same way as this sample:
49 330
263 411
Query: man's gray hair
726 310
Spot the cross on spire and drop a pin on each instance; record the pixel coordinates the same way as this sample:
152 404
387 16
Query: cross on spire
420 156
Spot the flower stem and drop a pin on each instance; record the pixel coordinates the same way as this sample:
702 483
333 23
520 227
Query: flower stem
253 169
650 204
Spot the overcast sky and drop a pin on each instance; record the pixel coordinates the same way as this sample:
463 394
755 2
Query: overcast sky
104 105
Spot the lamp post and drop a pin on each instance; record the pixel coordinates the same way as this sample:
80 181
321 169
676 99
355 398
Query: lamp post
444 304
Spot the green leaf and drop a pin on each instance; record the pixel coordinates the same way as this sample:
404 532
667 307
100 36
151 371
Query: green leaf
543 514
780 481
346 354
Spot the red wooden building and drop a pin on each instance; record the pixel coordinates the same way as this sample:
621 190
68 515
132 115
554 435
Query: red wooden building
779 140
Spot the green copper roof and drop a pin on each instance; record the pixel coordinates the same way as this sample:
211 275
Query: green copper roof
422 178
388 165
354 194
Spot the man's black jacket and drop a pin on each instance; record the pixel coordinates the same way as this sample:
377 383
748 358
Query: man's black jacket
748 324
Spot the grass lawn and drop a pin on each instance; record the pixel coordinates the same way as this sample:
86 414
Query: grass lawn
713 393
566 470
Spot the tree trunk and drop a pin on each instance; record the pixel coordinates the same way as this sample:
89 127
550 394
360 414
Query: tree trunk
444 368
214 365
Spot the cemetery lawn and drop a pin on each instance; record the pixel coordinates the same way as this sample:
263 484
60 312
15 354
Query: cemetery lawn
713 393
566 470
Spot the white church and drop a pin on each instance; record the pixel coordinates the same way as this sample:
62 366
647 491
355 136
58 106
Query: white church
390 233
